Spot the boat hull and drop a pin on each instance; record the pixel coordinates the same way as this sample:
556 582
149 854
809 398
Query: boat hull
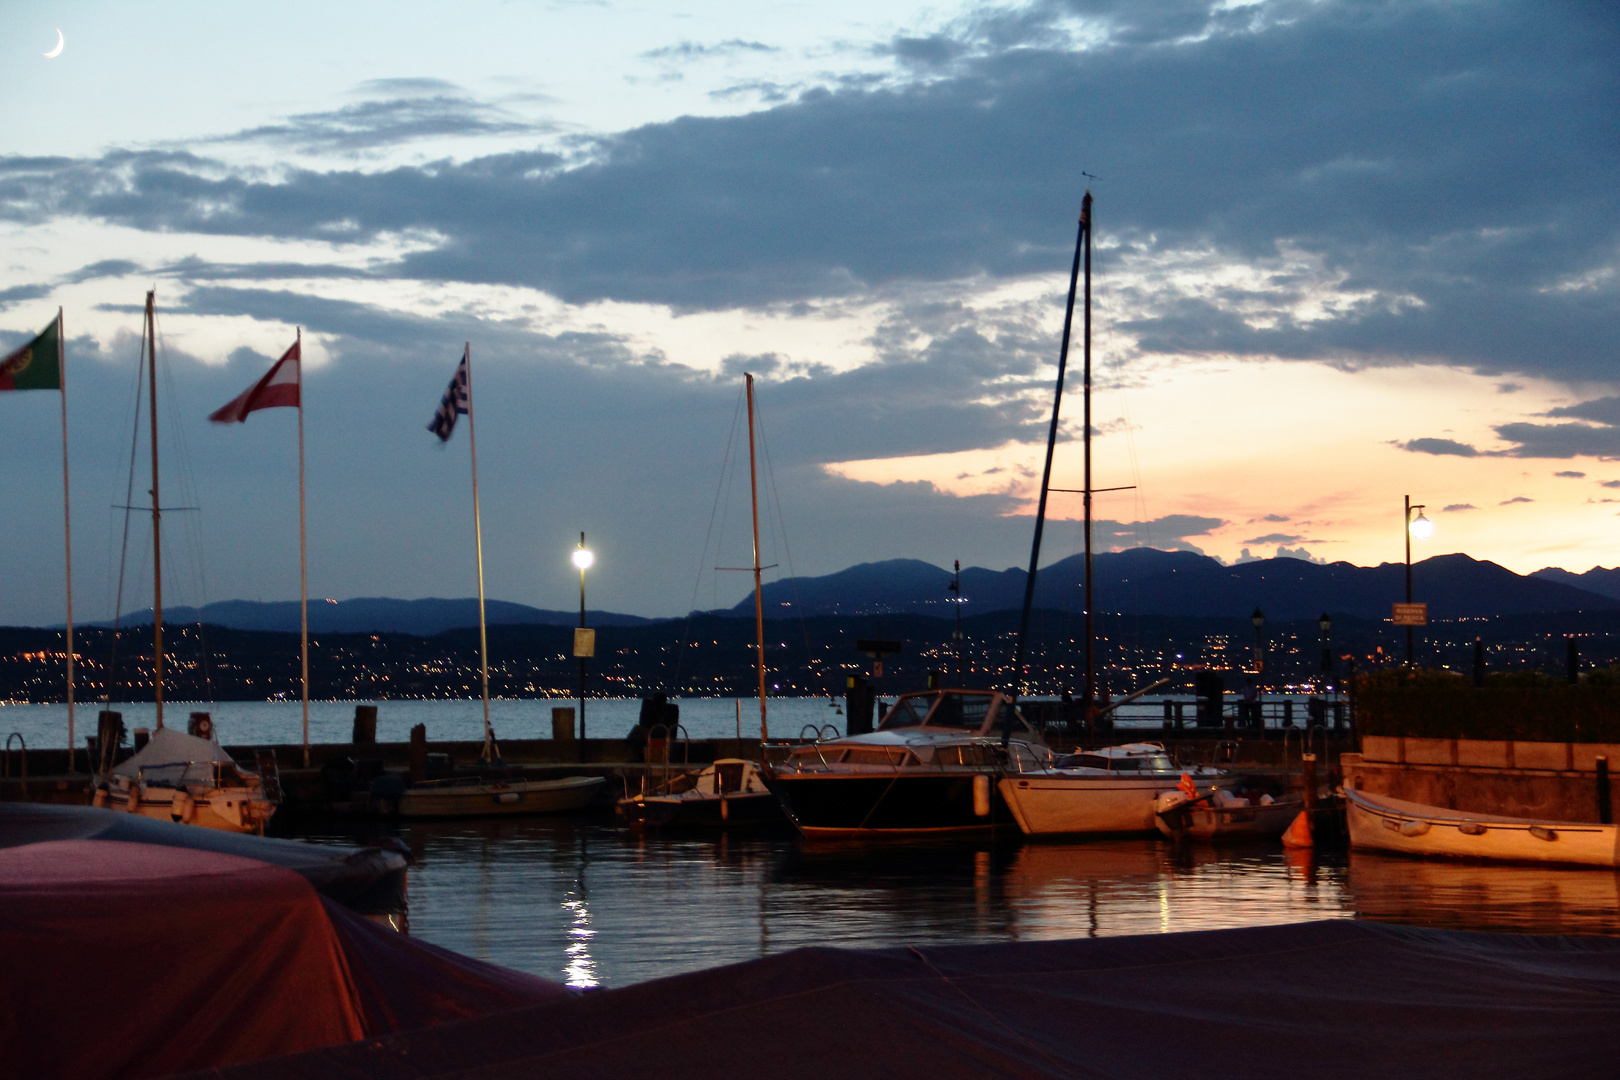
1230 822
875 805
507 798
222 812
702 811
1074 806
1383 824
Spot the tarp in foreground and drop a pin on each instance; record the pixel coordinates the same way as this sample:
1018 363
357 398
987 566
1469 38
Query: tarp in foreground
136 960
1324 1000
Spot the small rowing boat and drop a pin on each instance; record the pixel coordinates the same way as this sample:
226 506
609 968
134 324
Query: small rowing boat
1385 824
481 797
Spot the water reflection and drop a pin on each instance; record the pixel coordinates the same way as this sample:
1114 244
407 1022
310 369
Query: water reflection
1553 900
581 901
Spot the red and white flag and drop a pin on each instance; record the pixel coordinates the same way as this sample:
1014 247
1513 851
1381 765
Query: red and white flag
279 387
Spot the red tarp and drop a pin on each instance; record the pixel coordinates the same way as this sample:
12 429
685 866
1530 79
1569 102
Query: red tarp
1337 999
136 960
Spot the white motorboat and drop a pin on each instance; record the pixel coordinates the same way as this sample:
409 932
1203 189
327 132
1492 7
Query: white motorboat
188 779
1111 790
1385 824
930 769
730 792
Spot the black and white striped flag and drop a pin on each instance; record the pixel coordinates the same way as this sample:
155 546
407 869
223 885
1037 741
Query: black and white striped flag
454 403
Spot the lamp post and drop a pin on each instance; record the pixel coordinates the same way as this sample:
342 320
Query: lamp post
1259 620
1422 528
583 559
1326 623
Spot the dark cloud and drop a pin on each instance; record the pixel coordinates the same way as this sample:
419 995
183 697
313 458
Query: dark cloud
1381 142
1460 506
1561 440
1515 499
1599 411
369 125
1439 446
692 50
1275 538
1609 483
103 269
1275 517
1570 474
1168 533
18 293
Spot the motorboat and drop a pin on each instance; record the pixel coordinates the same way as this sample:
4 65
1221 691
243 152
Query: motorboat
1385 824
1225 815
485 796
1108 790
187 779
929 769
729 792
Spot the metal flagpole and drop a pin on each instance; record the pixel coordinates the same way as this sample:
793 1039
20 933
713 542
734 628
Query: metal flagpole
759 611
303 559
490 750
157 513
67 526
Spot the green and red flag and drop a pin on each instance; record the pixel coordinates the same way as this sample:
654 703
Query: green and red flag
37 365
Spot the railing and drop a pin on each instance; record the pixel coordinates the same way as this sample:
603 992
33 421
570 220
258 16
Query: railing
5 760
1268 712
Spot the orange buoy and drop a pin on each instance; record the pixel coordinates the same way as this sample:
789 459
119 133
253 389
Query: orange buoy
1299 833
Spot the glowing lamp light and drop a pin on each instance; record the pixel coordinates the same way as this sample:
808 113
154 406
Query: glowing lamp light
583 558
1422 528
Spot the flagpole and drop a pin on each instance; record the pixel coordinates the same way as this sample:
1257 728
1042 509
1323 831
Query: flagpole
478 534
157 511
67 527
303 552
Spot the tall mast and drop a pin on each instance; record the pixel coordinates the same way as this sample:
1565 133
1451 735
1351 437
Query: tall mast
67 524
1091 639
157 513
759 603
303 559
490 749
1082 238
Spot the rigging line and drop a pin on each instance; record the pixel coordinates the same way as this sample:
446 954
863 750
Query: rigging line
111 683
714 510
787 550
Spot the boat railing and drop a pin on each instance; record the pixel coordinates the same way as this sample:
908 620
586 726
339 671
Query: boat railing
5 761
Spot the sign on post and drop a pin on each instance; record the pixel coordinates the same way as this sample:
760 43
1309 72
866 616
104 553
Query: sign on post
584 641
1411 615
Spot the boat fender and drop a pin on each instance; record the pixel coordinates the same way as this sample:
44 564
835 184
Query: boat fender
132 801
1471 828
1267 800
100 798
1187 787
1541 832
981 796
1415 827
725 809
182 807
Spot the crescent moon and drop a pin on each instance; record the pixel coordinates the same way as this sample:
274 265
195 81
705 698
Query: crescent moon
60 41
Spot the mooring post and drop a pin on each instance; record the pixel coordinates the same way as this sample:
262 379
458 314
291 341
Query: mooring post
1572 660
1605 806
1308 779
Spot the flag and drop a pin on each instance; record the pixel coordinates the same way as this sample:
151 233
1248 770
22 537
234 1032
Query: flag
280 386
37 365
454 403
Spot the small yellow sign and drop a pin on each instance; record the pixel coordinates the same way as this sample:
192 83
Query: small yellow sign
1410 615
584 642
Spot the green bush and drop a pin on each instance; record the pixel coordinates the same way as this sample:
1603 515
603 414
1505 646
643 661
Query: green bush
1532 706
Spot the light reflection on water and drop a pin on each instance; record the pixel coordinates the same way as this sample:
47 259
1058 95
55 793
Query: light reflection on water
580 900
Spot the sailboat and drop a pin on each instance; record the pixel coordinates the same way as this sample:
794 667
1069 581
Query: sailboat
1115 789
186 778
731 791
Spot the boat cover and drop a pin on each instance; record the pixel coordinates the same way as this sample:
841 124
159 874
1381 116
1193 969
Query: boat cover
167 747
1330 999
138 960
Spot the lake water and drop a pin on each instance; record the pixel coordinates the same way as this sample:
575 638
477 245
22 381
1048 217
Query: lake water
584 901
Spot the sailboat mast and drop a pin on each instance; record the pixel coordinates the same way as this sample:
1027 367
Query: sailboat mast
1090 634
1046 475
303 558
157 513
759 603
67 525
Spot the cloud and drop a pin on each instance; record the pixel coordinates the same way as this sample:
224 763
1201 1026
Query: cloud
1439 447
1560 440
19 293
1570 474
1609 483
691 50
1455 507
1275 517
1515 499
430 108
1604 410
1298 553
1275 538
1168 533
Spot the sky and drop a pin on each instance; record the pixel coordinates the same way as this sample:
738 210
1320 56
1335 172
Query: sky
1344 252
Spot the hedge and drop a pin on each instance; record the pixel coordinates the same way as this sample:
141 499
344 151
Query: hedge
1521 705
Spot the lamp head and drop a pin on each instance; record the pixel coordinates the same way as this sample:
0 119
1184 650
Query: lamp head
1258 618
1325 622
1422 528
583 558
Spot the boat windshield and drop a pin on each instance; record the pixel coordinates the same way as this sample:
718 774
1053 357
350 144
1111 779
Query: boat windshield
946 709
1145 763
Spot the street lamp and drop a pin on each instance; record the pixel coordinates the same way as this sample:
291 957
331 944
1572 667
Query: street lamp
1326 623
1422 528
584 645
1259 620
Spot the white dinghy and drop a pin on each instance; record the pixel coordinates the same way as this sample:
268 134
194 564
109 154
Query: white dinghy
1385 824
188 779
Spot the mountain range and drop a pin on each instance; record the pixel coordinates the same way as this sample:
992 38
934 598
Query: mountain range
1141 581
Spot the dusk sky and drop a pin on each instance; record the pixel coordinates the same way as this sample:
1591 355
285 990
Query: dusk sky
1346 251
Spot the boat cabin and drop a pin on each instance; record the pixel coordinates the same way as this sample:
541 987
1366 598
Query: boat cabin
1132 757
977 712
